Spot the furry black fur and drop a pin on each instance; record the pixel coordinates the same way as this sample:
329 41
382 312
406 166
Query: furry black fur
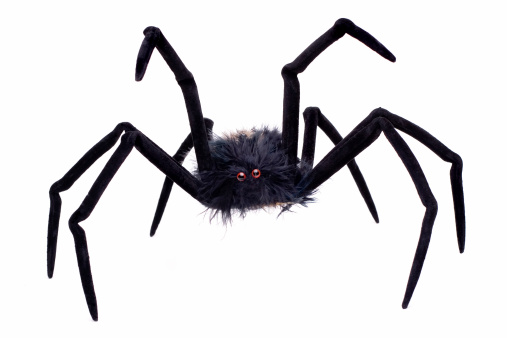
245 151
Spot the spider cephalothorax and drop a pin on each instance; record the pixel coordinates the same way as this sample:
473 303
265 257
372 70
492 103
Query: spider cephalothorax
248 170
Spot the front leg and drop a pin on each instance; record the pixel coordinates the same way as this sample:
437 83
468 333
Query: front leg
314 118
155 39
291 91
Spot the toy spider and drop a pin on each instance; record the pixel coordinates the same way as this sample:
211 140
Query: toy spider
249 170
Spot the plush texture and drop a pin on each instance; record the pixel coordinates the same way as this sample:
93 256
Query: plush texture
243 152
259 168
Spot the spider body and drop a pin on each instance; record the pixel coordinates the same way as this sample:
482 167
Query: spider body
250 172
260 168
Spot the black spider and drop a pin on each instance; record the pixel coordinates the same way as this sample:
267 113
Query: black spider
253 169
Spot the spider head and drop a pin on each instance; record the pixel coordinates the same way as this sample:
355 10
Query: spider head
250 173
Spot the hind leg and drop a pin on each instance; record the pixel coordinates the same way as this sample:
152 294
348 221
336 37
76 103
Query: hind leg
380 120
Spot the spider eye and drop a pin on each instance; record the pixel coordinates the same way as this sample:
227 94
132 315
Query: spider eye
241 176
256 173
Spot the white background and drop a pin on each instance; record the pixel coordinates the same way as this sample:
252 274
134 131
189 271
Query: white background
324 271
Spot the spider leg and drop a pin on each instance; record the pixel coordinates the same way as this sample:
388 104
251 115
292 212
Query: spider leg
380 120
155 39
68 180
179 157
314 118
169 166
290 71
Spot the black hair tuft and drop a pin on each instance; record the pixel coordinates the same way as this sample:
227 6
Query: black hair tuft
243 152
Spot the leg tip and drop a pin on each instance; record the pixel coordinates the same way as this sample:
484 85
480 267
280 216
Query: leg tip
95 314
461 245
406 301
51 269
152 35
373 212
153 229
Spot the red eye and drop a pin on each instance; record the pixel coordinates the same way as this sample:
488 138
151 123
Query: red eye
256 173
241 176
